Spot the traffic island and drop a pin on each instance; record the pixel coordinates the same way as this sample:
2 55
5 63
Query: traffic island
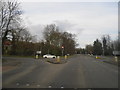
57 60
54 61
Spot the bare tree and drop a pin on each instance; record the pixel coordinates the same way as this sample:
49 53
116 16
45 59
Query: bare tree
55 38
9 17
107 45
89 49
25 35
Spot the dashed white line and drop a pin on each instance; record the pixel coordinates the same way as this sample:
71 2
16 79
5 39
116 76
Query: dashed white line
27 84
49 86
17 84
62 87
38 85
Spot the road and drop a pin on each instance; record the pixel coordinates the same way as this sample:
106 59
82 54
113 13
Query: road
80 71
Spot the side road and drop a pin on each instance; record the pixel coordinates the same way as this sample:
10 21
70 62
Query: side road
10 63
108 59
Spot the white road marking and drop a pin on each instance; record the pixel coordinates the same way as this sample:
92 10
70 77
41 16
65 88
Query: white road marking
62 87
38 85
89 89
27 84
75 88
49 86
17 84
116 71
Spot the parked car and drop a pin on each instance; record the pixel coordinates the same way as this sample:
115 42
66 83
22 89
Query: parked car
49 56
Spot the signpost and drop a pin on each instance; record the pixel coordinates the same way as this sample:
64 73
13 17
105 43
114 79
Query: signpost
116 53
37 54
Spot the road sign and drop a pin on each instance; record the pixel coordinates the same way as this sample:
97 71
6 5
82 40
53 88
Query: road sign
116 52
38 52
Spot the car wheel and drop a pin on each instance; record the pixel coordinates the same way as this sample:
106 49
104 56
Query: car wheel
53 57
45 57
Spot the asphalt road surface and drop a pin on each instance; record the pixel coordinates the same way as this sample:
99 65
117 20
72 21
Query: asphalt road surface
80 71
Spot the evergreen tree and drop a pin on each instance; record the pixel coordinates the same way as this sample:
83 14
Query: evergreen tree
97 47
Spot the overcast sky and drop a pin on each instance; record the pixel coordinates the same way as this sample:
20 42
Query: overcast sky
88 20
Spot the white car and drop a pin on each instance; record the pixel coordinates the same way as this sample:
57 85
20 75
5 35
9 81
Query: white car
49 56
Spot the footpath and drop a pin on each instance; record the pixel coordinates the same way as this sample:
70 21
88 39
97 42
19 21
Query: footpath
8 65
109 59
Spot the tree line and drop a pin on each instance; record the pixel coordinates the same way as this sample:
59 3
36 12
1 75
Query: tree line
13 33
17 40
104 46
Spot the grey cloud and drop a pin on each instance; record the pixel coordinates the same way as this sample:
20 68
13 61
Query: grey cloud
69 26
37 30
64 25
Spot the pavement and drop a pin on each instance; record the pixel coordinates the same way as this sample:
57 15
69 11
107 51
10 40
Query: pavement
108 59
80 71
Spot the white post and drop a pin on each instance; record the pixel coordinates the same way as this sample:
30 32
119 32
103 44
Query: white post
116 58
